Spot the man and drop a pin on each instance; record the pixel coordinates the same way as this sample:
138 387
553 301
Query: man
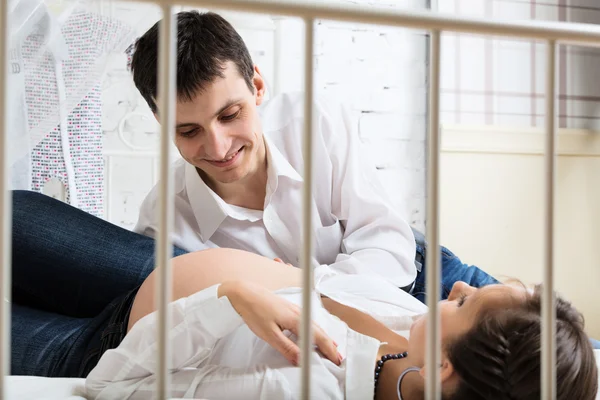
239 183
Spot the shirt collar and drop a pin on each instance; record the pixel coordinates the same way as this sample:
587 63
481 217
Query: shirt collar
278 164
210 210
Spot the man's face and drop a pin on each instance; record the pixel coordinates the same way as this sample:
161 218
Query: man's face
219 131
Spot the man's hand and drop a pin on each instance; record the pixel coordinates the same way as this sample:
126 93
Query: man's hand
268 315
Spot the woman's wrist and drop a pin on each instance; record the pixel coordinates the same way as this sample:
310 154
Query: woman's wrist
229 289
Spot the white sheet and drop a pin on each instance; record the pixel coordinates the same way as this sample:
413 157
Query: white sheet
33 387
36 388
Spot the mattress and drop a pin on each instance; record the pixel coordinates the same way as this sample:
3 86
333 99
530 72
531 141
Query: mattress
36 388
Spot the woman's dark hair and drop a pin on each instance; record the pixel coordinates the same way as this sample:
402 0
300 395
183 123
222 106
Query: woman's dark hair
500 357
205 43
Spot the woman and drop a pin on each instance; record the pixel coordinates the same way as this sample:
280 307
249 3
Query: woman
225 318
71 273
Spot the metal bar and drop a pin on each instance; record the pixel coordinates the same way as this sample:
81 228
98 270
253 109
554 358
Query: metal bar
166 103
5 206
548 299
413 19
307 239
433 337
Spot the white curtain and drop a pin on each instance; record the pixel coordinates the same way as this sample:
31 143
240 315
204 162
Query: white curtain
58 54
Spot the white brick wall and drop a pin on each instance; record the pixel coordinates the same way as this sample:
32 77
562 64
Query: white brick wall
377 71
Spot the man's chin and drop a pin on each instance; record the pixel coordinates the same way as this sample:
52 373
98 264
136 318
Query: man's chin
227 177
221 177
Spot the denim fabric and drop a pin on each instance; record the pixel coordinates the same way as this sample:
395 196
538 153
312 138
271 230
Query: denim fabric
453 270
68 269
113 333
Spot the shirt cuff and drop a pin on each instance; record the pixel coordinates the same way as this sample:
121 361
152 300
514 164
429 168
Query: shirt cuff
215 313
360 366
321 275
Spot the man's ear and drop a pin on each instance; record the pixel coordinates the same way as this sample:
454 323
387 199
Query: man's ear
260 85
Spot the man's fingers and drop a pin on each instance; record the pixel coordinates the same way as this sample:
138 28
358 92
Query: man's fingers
326 345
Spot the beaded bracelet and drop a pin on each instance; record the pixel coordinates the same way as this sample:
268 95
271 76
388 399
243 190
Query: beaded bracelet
380 365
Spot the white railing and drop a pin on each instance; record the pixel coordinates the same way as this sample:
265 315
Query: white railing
436 24
5 204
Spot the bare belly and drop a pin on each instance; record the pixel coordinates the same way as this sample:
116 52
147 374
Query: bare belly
194 272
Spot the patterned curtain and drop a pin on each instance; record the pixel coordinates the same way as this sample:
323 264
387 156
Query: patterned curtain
492 81
63 108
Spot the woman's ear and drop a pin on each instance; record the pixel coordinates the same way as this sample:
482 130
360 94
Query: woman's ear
446 371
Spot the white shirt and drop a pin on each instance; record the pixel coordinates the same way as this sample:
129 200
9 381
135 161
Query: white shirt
215 356
355 227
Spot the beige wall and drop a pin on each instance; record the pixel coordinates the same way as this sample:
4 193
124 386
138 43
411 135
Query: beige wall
492 203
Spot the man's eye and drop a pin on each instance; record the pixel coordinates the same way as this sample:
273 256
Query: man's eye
189 133
230 117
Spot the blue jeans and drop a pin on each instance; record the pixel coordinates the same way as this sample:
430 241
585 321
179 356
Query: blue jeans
69 268
453 270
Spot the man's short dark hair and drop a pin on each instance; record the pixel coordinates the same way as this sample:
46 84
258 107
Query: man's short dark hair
205 43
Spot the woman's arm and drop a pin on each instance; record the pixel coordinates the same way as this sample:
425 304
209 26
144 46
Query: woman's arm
135 360
202 269
365 324
196 323
196 271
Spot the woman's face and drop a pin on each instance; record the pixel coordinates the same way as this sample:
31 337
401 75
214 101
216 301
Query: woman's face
460 312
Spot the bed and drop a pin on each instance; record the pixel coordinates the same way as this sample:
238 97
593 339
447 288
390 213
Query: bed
30 387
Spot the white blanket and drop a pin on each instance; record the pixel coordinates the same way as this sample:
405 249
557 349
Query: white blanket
35 388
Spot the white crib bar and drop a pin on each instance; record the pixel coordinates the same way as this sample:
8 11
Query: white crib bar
413 19
548 299
307 239
166 107
5 206
433 349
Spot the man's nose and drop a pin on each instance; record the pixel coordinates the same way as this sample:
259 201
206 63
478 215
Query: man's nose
217 145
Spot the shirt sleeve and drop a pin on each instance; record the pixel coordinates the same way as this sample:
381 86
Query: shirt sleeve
205 382
376 240
196 323
145 223
183 235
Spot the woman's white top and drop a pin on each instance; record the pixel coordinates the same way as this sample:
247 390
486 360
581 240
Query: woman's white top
216 356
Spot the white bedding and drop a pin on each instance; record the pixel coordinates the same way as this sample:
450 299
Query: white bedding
35 388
